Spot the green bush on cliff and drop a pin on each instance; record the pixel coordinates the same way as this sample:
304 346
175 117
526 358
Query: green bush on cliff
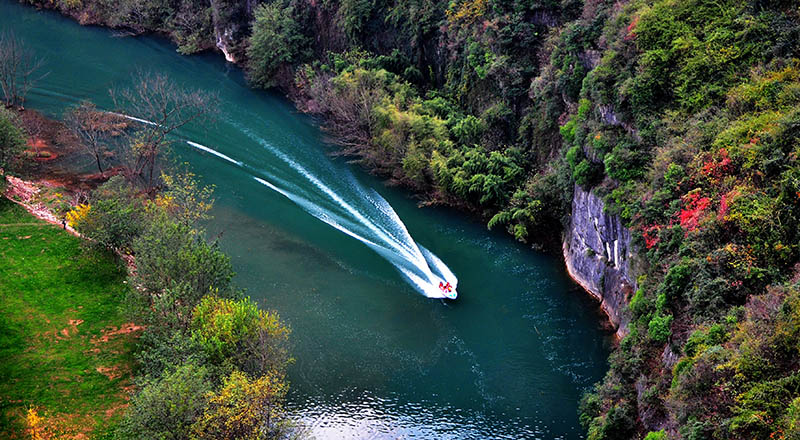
658 328
276 40
656 435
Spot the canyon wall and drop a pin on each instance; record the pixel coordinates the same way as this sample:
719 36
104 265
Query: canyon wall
597 252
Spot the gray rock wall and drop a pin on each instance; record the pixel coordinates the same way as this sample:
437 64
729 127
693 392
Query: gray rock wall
597 251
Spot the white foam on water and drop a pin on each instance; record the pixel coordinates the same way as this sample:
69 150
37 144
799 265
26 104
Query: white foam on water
132 118
214 152
388 235
194 144
380 229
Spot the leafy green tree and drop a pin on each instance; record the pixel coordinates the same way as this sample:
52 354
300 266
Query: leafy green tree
115 218
237 331
12 138
169 254
277 39
353 16
163 349
618 423
171 309
659 328
167 407
186 200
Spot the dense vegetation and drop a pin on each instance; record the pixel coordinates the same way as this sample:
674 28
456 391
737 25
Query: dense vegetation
12 141
62 333
211 364
682 114
208 363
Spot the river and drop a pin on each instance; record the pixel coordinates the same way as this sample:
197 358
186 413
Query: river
374 358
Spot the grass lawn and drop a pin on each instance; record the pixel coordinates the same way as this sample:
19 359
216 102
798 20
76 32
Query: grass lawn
65 348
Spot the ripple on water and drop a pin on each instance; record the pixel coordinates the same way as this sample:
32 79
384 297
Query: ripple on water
357 414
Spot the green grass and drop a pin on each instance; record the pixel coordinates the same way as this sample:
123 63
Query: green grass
47 279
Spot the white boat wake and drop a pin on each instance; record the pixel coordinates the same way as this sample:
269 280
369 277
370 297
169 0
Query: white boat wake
375 224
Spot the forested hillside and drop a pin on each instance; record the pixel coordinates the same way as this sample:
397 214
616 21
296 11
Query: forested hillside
683 115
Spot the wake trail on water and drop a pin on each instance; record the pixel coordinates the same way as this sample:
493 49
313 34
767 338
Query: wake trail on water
331 198
374 223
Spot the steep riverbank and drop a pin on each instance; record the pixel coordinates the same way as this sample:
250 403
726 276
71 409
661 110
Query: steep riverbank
598 251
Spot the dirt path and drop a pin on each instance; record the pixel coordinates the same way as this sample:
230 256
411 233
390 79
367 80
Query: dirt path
23 193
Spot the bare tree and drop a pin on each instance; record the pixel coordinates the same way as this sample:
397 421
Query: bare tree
157 108
34 125
91 127
19 69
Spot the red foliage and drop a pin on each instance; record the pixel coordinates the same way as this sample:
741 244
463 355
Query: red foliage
693 208
718 168
650 234
632 29
724 205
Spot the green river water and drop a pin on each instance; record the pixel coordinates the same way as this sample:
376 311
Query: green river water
374 358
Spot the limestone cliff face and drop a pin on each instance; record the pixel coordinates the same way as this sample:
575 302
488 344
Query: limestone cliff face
597 251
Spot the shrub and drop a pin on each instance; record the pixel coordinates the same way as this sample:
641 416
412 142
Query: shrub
238 332
468 131
244 408
164 349
170 254
115 218
659 328
12 138
166 408
622 164
587 173
675 281
656 435
618 423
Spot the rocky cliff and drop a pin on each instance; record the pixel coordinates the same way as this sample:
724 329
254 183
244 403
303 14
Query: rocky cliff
597 251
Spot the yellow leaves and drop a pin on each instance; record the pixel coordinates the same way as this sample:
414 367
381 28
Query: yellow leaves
164 201
78 214
185 198
220 324
243 408
468 11
34 422
741 258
